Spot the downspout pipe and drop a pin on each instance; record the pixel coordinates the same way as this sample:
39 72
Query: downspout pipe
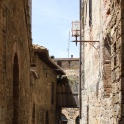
80 49
81 70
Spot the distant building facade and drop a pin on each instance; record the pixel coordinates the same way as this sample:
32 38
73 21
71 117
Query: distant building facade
67 63
68 99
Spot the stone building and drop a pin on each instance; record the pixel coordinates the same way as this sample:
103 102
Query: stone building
15 47
68 91
102 62
28 77
44 84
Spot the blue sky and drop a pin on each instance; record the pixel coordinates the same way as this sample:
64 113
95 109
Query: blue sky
51 22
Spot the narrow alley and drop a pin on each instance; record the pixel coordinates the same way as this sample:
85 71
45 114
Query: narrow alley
39 88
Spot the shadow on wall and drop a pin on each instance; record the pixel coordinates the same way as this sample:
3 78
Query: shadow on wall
67 93
64 120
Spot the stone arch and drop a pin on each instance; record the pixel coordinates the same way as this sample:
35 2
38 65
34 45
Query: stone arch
15 50
15 90
65 112
107 66
76 115
47 117
15 83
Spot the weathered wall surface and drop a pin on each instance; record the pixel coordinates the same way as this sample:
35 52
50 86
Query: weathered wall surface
67 63
73 77
15 44
101 89
44 93
71 68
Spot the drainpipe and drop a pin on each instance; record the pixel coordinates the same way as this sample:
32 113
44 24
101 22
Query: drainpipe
80 106
81 70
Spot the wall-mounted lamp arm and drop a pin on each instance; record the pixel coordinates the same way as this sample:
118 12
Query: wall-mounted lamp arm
83 41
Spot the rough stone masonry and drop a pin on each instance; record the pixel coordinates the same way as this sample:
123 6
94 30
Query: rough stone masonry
102 62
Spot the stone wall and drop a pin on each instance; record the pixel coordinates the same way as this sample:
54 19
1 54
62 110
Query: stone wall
43 93
15 42
101 89
67 63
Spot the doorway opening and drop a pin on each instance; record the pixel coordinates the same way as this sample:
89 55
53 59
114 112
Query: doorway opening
47 118
15 90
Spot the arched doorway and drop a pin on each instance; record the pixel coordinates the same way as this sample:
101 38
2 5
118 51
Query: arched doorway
77 120
15 90
33 114
47 118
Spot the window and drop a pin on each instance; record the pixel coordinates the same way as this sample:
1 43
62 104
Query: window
47 118
52 93
90 13
85 12
33 114
15 90
115 56
46 75
107 67
59 63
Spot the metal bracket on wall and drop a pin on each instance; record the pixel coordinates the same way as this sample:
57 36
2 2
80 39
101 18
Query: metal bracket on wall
81 41
84 41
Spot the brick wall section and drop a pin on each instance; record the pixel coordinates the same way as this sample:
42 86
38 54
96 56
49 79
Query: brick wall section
14 39
116 61
101 96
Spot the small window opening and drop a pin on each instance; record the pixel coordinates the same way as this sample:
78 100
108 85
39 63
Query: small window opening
33 114
59 63
46 75
115 57
115 47
52 93
115 61
90 13
107 67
